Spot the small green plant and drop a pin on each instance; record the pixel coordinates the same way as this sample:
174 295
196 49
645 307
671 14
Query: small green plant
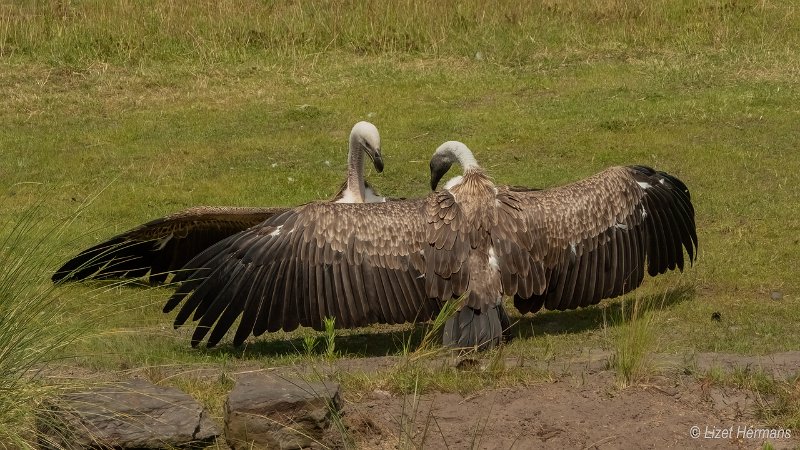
330 337
309 345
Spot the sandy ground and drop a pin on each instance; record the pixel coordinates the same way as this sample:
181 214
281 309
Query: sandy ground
585 411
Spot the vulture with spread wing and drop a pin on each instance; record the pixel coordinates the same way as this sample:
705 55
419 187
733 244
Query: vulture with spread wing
164 245
394 262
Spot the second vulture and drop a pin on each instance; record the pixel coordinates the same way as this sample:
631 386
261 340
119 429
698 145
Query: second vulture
162 246
559 248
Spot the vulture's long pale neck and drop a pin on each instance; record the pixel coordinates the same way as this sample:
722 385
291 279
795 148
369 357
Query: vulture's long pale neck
473 177
355 172
465 158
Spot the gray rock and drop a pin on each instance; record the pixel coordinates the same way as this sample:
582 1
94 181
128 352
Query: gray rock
132 414
278 413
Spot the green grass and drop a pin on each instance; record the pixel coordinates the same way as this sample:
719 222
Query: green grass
146 108
132 32
34 331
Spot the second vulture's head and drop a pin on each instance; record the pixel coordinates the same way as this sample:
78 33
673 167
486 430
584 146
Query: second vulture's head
364 136
443 158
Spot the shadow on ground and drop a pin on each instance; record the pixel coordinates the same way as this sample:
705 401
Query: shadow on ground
365 342
386 340
585 319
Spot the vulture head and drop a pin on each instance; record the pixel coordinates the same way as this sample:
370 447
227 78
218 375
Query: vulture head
448 153
365 137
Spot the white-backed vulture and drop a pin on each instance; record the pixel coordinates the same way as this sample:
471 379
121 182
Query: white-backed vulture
396 262
164 245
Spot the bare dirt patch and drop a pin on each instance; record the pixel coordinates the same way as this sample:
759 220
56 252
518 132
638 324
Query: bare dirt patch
589 413
583 407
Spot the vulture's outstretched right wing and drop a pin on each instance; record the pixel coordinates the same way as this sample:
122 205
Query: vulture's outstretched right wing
357 263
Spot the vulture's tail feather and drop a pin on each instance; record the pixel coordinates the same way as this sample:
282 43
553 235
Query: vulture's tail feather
472 328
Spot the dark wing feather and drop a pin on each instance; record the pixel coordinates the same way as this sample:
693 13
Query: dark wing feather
161 246
357 263
599 233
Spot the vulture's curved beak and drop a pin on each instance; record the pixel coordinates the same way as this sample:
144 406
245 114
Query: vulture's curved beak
439 167
375 156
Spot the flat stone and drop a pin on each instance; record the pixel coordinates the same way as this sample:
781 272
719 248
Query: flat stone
271 412
131 414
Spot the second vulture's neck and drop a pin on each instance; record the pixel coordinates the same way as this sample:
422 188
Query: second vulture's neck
355 174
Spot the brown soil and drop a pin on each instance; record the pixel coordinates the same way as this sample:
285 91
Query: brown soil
585 411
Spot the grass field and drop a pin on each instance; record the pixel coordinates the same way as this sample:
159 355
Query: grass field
116 113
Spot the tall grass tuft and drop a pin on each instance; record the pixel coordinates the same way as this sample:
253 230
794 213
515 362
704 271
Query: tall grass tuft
33 329
633 341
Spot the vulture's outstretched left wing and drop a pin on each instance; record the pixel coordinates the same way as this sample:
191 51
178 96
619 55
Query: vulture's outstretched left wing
599 233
